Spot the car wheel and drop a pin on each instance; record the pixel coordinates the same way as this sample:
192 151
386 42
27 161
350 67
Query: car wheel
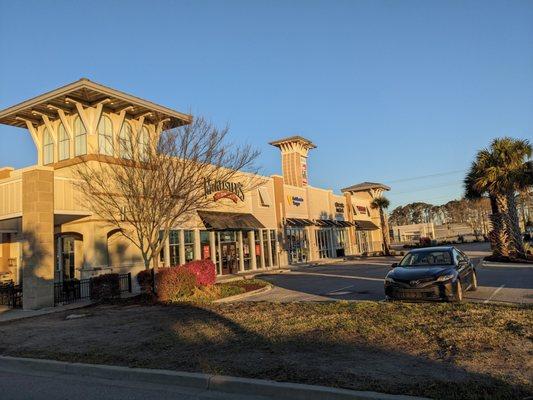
473 284
458 295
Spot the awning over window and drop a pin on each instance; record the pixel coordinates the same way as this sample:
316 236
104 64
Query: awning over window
227 220
298 222
332 223
363 225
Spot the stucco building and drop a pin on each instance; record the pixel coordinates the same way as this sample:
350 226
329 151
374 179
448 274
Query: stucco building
48 234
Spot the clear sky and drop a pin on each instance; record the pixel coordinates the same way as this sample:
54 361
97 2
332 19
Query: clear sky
388 90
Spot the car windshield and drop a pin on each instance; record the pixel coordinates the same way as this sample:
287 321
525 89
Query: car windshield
423 258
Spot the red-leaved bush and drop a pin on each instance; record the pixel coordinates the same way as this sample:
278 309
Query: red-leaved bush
204 270
146 280
174 284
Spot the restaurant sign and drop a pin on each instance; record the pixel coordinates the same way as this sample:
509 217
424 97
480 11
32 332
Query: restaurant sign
339 208
295 200
224 190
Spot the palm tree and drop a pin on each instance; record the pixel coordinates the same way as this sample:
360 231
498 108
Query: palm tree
381 203
500 171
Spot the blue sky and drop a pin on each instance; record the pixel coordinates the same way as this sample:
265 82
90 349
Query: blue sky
390 91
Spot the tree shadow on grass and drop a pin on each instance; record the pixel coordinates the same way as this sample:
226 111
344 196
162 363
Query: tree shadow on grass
209 339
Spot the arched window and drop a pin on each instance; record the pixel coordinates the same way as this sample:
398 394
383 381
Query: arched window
105 136
124 141
80 138
64 143
144 143
48 148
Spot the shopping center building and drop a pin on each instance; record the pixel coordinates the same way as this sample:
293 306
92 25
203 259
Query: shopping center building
48 234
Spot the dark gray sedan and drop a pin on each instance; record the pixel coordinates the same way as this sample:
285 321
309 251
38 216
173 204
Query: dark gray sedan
431 273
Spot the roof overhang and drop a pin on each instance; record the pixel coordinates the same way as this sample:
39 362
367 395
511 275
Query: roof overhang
89 94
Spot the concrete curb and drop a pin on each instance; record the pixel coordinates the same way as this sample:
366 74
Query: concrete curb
215 383
243 295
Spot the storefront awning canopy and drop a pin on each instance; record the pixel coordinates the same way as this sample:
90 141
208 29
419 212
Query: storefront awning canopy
227 220
332 222
363 225
298 222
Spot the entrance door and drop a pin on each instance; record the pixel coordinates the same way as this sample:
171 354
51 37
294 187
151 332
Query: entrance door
67 257
229 258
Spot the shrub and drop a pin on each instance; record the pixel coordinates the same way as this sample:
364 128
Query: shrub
145 279
204 270
104 287
174 284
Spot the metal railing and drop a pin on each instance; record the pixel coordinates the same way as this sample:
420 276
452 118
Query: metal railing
11 295
71 291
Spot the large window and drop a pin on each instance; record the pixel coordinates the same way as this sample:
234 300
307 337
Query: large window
80 138
64 143
144 142
124 141
105 136
189 245
48 148
174 240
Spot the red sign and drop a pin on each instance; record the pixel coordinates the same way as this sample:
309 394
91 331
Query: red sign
206 252
257 249
361 209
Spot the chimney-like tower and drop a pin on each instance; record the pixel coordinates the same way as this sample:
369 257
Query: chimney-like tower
294 151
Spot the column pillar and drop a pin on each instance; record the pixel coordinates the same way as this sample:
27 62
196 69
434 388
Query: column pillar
182 246
269 249
38 238
166 252
213 248
197 245
241 252
251 244
262 244
312 245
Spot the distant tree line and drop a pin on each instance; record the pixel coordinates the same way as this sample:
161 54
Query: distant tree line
472 212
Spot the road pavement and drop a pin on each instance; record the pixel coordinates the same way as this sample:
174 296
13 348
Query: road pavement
363 280
40 385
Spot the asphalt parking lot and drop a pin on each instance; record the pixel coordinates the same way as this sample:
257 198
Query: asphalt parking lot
363 280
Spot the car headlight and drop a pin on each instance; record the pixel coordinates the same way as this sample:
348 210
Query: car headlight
444 278
389 280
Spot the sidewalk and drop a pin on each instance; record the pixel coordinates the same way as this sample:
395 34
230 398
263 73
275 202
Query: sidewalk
13 314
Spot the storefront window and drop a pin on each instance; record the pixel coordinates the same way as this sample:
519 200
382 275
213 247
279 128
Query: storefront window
205 245
265 246
297 244
322 242
246 251
174 240
189 245
273 245
258 249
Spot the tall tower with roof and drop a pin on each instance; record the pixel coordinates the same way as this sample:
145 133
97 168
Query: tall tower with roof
294 152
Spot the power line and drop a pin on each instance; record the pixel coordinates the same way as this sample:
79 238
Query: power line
426 188
426 176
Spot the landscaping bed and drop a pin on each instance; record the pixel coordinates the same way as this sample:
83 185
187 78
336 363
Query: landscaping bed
445 351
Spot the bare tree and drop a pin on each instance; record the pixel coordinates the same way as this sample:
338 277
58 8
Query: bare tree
157 184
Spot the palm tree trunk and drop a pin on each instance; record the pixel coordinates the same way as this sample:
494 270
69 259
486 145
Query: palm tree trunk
499 236
517 243
384 232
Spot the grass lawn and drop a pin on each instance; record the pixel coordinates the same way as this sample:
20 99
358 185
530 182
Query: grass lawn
445 351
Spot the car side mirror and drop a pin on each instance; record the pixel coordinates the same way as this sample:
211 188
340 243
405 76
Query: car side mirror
394 265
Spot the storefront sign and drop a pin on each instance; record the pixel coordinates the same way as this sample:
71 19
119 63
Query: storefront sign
295 200
339 208
257 249
303 162
361 209
224 190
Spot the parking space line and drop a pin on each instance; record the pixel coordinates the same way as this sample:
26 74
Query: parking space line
493 294
364 278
